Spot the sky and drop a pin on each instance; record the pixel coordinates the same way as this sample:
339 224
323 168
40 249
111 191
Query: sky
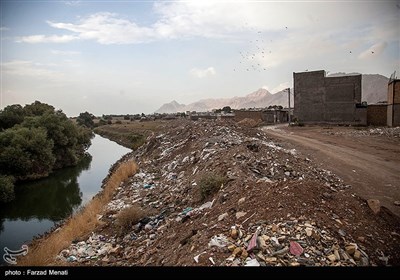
130 57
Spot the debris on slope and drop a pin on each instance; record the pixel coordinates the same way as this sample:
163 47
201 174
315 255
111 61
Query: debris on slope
274 207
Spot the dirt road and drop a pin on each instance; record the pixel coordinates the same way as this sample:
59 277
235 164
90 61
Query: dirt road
369 163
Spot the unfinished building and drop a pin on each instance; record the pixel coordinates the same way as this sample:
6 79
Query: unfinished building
393 108
320 99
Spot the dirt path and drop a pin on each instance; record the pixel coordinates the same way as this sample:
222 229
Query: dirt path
370 164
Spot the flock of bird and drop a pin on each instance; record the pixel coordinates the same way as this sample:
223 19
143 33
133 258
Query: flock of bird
252 60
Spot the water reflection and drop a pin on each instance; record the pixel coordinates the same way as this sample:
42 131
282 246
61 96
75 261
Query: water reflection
39 204
52 198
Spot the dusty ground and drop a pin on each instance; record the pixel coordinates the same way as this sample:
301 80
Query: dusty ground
277 207
368 159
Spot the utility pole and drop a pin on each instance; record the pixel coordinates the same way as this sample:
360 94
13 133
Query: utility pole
289 103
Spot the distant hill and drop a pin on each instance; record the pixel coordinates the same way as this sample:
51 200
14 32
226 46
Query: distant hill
259 99
374 89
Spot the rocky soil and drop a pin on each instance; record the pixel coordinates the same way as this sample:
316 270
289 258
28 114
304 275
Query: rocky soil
275 208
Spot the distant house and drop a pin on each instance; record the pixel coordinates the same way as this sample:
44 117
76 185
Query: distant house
272 115
328 99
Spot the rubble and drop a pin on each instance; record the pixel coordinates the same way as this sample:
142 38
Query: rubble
275 208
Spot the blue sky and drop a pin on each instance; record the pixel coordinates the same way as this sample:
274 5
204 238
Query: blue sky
132 56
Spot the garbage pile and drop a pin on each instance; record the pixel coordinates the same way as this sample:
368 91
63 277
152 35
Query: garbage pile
275 207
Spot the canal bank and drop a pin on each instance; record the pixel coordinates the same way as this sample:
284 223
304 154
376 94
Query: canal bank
41 205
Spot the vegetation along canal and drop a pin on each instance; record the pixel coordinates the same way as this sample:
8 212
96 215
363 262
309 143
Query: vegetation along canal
38 205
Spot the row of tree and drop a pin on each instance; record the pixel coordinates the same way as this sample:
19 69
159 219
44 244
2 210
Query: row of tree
34 141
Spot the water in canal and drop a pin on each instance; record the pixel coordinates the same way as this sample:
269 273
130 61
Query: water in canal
38 205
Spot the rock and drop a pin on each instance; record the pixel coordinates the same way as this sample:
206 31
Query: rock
342 232
148 227
237 252
332 257
234 233
327 195
261 243
152 236
274 228
222 216
231 247
357 255
361 238
240 214
375 205
240 201
244 253
350 249
397 203
309 231
287 173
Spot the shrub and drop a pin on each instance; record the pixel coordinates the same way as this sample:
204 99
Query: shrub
129 217
210 184
6 188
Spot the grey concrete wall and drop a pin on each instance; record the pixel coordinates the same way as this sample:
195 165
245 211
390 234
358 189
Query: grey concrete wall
326 99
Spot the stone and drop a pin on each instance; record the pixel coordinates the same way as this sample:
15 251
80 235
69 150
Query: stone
331 258
309 231
148 227
234 233
397 203
350 249
240 214
375 205
261 243
222 216
231 247
152 236
361 238
357 255
244 253
240 201
274 228
237 251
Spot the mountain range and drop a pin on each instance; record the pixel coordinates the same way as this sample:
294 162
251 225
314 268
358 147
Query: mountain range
373 86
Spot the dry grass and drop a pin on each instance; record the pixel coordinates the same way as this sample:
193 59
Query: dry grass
129 217
82 223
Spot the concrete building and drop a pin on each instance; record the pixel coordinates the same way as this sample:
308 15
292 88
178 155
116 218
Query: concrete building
377 114
393 108
320 99
267 115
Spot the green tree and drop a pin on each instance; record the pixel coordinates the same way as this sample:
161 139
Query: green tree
86 119
6 188
70 142
26 153
38 108
11 115
227 109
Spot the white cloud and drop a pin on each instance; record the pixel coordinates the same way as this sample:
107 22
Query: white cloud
29 69
222 19
73 3
202 73
33 39
58 52
373 50
106 28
